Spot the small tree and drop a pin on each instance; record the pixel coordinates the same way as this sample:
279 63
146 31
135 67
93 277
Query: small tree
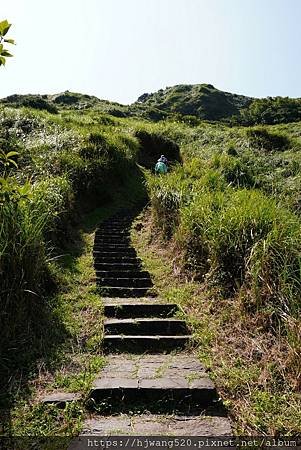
4 53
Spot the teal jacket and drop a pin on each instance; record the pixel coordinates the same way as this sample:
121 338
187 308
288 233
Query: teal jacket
160 167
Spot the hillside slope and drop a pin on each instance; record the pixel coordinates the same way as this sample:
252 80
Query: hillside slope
201 100
198 102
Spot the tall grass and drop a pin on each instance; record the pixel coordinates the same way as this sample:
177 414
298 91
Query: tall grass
234 237
64 168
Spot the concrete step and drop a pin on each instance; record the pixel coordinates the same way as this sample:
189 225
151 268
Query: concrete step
134 266
113 253
60 399
146 327
117 220
157 425
112 247
115 225
113 229
122 274
138 308
102 234
112 241
116 260
141 344
170 383
125 282
107 291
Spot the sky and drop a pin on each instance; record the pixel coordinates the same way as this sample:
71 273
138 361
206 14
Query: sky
120 49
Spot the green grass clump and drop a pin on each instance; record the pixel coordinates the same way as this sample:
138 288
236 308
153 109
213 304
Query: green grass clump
255 369
61 169
231 214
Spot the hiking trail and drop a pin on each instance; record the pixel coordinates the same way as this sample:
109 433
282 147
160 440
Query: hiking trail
153 384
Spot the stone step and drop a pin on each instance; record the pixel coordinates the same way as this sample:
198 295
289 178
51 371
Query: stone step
113 251
115 225
125 282
170 383
135 266
140 344
107 291
115 257
116 260
116 221
137 308
146 327
120 239
122 274
157 425
119 218
112 247
129 253
101 234
113 229
112 241
60 399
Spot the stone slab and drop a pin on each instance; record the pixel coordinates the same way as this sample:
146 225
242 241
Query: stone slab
61 398
148 424
155 371
115 383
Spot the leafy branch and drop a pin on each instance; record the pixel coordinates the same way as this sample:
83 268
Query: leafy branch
4 53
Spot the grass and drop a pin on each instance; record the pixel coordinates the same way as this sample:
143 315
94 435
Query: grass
78 359
66 164
228 213
246 360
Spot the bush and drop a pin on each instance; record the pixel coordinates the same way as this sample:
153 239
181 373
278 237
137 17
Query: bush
167 195
235 172
22 262
243 240
153 145
262 139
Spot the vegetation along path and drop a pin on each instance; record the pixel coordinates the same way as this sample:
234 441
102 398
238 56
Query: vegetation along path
152 383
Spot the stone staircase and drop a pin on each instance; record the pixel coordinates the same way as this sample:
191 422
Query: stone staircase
153 383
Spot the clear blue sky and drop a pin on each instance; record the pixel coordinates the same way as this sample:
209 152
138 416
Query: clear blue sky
119 49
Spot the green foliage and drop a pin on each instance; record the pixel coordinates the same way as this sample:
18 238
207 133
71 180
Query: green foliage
230 209
271 110
235 172
231 233
38 102
4 53
187 104
152 145
203 101
59 173
262 139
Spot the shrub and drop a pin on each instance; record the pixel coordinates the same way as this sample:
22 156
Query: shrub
167 195
262 139
153 145
22 262
234 170
243 240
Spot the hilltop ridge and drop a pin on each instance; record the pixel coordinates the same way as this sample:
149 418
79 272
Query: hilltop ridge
184 101
201 100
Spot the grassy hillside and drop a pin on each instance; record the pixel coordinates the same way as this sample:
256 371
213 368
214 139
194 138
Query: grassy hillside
229 220
188 103
53 168
228 212
201 100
